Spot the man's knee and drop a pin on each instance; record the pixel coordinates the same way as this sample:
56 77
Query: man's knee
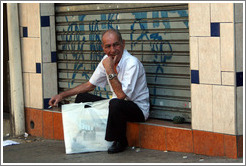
116 104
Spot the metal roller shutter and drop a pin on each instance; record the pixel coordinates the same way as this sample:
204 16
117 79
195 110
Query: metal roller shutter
156 33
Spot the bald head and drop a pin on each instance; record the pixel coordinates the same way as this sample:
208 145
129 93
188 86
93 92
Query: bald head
113 31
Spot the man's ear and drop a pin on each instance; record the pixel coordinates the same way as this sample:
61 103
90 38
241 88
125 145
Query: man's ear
123 42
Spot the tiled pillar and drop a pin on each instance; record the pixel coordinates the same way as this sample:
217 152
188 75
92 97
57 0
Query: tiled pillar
37 27
38 45
29 16
213 70
48 48
216 61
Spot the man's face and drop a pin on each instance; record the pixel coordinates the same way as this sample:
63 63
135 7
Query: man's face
112 46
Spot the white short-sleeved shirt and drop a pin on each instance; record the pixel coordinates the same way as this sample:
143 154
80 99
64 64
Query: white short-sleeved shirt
131 74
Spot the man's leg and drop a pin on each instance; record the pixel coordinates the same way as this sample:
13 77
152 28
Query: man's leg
121 111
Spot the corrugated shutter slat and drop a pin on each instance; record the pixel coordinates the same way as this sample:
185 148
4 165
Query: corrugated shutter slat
156 33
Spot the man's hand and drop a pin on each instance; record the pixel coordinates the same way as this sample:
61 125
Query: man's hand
55 100
82 88
110 67
109 64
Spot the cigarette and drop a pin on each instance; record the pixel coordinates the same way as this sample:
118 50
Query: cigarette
49 107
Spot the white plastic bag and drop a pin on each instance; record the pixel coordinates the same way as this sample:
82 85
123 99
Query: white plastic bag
85 128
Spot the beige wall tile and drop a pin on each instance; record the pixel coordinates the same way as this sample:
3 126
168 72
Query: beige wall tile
209 60
47 9
227 47
28 55
238 12
201 107
52 33
240 111
239 46
224 109
37 45
26 82
49 79
199 19
222 12
194 53
228 78
45 44
33 20
36 91
23 14
31 53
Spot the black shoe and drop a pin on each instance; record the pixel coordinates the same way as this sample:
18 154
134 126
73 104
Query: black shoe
117 147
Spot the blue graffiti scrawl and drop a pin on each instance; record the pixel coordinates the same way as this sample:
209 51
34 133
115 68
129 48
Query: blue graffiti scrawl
164 14
143 26
161 48
76 41
165 49
79 35
71 45
109 20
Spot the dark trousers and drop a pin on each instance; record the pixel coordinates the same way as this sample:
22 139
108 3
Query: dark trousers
120 112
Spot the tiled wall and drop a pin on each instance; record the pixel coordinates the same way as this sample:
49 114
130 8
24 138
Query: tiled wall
29 15
37 29
213 72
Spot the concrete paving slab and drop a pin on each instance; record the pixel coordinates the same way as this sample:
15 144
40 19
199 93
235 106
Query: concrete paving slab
38 150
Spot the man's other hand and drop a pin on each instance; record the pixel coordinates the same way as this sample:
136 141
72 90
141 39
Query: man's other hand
55 100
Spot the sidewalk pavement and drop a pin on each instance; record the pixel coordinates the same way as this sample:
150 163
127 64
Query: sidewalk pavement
42 151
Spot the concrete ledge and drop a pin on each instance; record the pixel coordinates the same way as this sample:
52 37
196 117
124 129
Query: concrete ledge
153 134
172 138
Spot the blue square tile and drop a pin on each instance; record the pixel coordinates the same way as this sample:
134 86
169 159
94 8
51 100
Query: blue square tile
38 67
45 21
195 76
215 29
239 78
46 103
25 32
53 57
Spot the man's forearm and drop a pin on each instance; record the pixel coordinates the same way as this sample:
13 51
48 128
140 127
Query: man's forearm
110 68
117 88
82 88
